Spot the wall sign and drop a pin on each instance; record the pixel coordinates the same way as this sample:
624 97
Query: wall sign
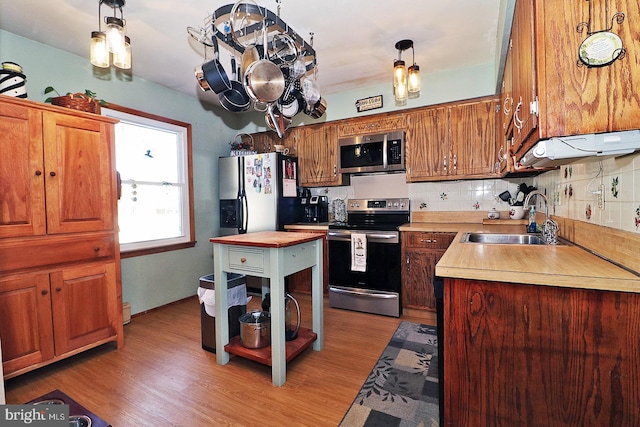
370 103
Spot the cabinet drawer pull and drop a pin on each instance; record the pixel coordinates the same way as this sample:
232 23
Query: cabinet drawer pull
44 292
243 259
428 241
97 249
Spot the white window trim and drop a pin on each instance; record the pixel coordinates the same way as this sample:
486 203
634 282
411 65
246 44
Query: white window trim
183 170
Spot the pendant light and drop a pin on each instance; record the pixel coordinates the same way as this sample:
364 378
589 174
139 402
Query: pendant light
406 83
111 41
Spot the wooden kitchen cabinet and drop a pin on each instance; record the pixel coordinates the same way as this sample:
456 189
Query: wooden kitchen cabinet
263 142
48 316
378 123
427 144
63 159
452 141
518 354
317 149
557 95
421 251
60 288
523 49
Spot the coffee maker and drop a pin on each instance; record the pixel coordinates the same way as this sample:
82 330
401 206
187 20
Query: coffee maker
315 208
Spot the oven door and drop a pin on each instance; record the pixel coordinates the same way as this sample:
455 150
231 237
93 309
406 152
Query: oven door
375 290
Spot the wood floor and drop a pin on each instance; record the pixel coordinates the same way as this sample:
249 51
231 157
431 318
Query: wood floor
162 377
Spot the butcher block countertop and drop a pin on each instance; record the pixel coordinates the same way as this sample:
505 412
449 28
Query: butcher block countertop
562 265
317 226
267 239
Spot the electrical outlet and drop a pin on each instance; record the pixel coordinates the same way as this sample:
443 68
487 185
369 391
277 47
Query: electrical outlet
601 196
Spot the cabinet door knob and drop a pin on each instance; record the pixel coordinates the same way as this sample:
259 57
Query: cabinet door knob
52 173
38 172
58 289
243 259
44 292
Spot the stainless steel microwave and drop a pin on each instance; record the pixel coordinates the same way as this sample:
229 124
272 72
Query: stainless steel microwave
372 153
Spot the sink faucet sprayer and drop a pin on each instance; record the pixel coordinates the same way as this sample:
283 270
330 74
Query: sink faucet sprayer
550 227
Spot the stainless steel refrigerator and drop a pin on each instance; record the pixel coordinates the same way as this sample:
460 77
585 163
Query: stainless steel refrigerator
258 193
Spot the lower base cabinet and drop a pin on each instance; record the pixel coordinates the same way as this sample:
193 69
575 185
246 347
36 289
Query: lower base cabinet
534 355
421 251
46 316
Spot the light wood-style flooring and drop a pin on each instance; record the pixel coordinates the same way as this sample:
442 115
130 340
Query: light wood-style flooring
162 376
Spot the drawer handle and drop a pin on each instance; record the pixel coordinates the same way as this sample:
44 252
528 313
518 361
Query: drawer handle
97 249
428 241
243 259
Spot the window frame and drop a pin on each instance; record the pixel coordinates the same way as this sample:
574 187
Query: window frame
191 242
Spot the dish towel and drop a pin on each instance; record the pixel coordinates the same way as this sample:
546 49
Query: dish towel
358 252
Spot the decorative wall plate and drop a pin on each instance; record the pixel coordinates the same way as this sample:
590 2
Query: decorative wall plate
600 49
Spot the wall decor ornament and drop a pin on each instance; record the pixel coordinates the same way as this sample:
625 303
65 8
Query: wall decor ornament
602 47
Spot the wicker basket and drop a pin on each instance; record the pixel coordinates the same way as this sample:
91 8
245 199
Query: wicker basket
78 101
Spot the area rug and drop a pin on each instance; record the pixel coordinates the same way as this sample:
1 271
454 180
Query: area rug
402 388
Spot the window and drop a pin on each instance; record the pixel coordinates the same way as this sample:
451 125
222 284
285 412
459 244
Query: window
153 159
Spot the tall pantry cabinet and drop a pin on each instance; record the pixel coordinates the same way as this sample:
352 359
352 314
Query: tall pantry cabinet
60 288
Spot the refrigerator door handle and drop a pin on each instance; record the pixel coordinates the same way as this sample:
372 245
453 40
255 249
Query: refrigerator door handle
244 213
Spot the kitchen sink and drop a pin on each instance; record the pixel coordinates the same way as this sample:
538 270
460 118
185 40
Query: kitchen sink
503 239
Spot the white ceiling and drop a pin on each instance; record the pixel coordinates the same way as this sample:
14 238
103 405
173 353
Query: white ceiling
354 39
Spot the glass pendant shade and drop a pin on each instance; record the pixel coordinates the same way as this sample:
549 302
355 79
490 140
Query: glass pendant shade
414 81
401 94
122 59
399 73
115 34
99 52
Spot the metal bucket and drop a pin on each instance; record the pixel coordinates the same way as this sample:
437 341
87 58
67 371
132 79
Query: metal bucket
255 329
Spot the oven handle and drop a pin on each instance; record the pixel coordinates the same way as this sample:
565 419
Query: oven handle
363 293
373 237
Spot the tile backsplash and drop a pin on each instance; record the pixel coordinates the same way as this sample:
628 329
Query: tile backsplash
604 192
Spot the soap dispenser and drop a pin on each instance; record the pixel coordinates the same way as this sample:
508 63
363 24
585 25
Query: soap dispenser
532 228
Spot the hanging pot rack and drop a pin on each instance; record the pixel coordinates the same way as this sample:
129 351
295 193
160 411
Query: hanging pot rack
216 25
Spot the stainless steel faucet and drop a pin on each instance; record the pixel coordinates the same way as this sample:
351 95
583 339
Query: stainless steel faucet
550 227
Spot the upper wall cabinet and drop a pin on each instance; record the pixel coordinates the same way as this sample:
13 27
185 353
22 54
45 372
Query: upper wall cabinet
452 141
317 149
560 95
59 158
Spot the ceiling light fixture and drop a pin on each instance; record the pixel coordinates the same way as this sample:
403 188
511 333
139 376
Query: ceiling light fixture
406 83
113 41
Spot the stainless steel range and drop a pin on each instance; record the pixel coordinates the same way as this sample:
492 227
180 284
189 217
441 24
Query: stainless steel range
364 256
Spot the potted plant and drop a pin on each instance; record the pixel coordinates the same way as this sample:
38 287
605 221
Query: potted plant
86 101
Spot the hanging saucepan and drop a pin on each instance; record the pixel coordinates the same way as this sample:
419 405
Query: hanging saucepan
317 110
211 75
236 98
276 121
264 80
